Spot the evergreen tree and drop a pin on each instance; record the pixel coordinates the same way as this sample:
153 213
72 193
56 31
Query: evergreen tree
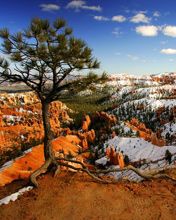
45 55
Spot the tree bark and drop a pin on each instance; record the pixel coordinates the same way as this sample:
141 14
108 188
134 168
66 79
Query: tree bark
48 151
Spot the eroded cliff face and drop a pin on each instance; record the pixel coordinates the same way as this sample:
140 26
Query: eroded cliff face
21 128
165 79
21 120
146 133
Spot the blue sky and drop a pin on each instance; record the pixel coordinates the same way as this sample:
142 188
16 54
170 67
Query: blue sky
127 36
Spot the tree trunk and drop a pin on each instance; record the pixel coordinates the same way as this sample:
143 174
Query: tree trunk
48 151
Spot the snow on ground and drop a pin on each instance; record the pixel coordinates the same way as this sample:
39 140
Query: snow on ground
165 74
124 90
138 149
128 79
148 88
153 102
156 89
9 163
15 196
11 119
161 103
169 128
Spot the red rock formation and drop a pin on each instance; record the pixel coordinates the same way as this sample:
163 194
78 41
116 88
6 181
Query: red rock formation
86 123
145 133
156 141
115 158
120 160
86 137
107 117
21 120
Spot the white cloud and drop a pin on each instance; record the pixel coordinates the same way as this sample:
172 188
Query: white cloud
119 18
76 4
168 51
140 18
79 4
156 14
93 8
101 18
147 30
169 31
49 7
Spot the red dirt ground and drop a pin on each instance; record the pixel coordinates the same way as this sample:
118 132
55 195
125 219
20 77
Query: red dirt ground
75 197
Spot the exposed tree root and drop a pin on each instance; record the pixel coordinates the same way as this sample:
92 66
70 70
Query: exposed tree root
94 174
57 171
145 175
39 171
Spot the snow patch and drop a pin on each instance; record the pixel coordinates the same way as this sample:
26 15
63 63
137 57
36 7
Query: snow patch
15 196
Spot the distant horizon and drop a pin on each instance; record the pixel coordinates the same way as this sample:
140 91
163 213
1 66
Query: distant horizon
134 37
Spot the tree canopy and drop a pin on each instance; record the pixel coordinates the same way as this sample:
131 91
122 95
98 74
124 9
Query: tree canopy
45 56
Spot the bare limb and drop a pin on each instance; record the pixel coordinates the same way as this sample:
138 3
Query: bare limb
39 171
93 173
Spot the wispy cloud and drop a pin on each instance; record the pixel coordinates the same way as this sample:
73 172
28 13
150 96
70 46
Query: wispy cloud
147 30
168 51
117 32
92 8
156 14
140 18
101 18
119 18
132 57
76 4
49 7
79 4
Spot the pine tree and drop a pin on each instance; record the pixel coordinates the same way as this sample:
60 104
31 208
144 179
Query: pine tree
45 55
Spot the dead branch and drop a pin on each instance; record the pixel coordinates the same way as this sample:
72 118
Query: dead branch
39 171
94 173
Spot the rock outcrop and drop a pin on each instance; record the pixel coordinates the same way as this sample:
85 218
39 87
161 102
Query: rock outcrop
21 120
112 119
115 158
146 133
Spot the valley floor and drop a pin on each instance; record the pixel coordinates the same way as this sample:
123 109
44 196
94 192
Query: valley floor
74 196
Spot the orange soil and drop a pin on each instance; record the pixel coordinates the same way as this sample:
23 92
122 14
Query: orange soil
22 167
76 197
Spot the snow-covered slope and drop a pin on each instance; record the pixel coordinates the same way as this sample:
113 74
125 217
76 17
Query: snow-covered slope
138 149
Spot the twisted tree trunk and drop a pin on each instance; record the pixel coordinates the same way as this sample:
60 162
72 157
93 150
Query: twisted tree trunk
48 150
